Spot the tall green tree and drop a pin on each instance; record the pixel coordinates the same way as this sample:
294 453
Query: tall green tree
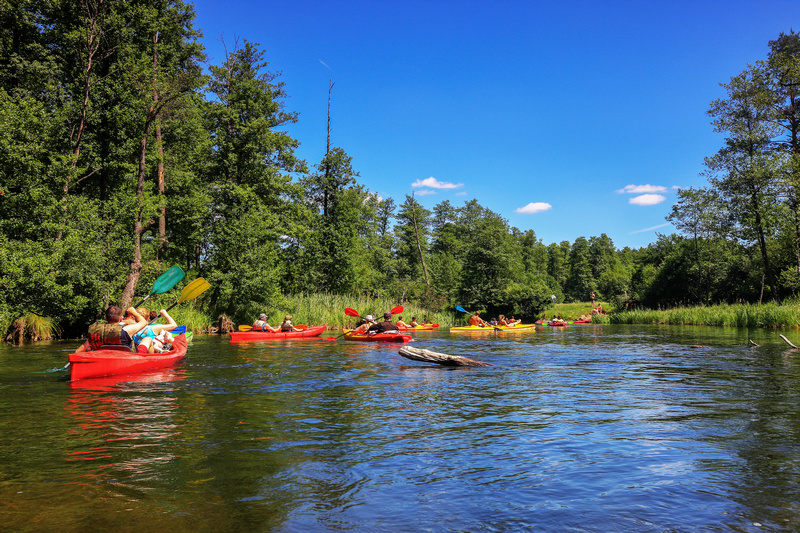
250 183
745 171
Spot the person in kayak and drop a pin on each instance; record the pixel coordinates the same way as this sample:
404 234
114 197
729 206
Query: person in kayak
262 325
383 327
400 323
286 325
476 320
117 330
413 322
143 340
365 324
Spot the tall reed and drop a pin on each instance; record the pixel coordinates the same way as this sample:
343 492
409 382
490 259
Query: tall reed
768 315
326 308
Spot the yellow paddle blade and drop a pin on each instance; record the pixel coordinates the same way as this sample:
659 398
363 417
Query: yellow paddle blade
194 289
245 328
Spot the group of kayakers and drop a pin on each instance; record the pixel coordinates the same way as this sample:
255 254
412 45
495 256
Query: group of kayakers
476 320
286 326
133 329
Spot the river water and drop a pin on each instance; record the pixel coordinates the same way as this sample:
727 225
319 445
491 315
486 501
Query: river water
585 428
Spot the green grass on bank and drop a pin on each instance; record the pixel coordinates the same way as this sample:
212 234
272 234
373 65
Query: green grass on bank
573 311
328 309
768 315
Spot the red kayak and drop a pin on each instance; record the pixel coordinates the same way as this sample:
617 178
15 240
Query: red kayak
388 336
120 360
252 335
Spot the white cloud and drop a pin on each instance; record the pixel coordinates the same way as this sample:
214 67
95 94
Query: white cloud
639 189
425 192
647 199
433 183
534 207
462 193
325 64
650 229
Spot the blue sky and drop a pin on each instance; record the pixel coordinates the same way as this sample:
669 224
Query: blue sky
571 118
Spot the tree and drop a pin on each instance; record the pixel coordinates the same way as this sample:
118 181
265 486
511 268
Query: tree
580 282
251 214
744 171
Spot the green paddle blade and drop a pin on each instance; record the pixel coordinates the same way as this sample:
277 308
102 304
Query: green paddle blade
167 280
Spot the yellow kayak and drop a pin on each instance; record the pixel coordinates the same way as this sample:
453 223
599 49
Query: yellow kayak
478 329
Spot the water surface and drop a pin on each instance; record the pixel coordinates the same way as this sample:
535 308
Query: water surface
586 428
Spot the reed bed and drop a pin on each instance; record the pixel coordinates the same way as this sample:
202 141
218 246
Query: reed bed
325 308
769 315
194 319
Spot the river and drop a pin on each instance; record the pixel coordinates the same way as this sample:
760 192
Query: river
584 428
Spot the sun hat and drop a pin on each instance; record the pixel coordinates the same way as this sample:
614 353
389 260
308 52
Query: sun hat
370 318
262 316
287 317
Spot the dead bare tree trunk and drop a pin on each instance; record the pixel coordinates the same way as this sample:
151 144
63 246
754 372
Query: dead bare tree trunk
419 245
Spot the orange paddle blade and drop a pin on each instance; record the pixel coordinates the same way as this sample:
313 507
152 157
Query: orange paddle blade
351 312
397 310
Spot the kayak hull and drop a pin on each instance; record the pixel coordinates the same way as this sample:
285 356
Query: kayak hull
240 336
425 327
389 336
109 362
479 329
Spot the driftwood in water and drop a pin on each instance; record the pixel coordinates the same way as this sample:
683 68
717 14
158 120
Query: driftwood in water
788 342
427 356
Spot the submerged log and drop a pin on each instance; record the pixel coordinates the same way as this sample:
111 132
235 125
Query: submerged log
788 342
427 356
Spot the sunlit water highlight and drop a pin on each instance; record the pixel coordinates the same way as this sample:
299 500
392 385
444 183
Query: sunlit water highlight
588 428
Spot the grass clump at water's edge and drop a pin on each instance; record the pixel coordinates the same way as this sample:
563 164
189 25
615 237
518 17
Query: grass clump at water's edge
768 315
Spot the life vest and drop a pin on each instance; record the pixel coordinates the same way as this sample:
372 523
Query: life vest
101 333
261 325
286 326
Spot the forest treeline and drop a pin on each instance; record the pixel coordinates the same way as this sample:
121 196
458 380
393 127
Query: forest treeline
122 152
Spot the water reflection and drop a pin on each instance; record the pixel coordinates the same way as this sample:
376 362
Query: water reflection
119 425
588 428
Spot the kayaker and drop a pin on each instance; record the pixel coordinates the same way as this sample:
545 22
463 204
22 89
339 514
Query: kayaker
286 325
400 323
502 321
413 322
144 339
383 327
118 329
476 320
365 324
262 325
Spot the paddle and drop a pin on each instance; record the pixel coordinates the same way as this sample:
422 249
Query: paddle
165 282
189 292
459 308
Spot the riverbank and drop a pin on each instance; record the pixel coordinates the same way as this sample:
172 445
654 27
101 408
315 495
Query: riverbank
768 315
